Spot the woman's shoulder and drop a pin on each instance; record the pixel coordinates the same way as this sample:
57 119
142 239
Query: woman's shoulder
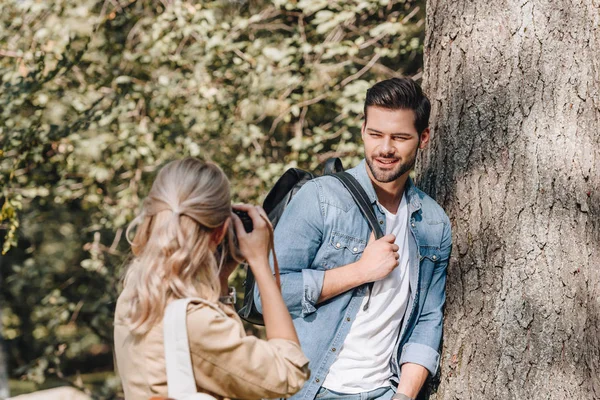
122 307
211 317
213 328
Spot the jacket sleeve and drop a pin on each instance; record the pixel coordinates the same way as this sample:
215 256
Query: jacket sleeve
423 344
298 237
228 363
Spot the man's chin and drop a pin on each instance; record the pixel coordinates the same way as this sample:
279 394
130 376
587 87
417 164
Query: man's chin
383 176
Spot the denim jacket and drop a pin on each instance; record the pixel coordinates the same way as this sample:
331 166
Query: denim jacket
322 228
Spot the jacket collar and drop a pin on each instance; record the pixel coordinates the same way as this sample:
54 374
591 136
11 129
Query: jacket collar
410 190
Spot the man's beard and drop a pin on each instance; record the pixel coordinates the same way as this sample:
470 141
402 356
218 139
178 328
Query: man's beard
390 176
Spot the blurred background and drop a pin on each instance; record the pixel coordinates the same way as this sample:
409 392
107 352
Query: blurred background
97 94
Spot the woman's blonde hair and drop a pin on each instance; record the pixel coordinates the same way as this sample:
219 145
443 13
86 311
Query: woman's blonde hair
174 256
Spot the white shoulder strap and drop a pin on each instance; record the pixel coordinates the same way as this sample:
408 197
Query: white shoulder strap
180 374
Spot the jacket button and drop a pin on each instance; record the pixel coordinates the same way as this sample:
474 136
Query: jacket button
355 249
348 319
413 224
434 257
380 222
338 245
317 380
333 349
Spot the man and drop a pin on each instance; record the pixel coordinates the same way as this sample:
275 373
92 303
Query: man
364 344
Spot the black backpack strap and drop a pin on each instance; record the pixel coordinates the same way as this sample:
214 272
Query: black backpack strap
364 205
362 201
333 166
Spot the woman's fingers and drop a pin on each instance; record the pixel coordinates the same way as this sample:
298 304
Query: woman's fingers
239 226
262 212
253 213
242 206
253 245
264 217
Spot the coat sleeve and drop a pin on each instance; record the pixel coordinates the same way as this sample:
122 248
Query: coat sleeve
228 363
423 345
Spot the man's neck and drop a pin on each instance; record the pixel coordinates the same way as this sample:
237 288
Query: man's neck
389 194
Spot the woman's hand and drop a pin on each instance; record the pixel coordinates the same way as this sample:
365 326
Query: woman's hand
254 245
228 267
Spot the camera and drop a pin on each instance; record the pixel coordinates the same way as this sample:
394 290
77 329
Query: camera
229 249
246 220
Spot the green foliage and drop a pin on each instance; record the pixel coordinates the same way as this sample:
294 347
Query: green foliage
96 95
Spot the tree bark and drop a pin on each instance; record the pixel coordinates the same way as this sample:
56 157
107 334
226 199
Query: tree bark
515 162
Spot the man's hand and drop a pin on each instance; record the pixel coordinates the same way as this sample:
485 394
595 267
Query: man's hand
401 396
412 378
379 258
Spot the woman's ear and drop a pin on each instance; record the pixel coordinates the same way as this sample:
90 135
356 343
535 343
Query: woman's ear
217 235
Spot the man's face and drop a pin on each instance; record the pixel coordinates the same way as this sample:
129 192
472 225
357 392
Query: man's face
391 142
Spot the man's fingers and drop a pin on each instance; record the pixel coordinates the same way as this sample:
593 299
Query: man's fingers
387 238
395 247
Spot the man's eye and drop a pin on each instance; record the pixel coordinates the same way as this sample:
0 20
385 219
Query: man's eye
375 135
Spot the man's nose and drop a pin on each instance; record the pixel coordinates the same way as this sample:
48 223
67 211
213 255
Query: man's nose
386 145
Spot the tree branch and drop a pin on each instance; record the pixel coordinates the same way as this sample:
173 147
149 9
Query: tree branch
362 71
299 105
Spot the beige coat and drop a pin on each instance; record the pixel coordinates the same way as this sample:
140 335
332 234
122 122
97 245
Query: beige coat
226 362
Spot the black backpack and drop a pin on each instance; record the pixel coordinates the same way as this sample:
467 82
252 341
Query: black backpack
276 202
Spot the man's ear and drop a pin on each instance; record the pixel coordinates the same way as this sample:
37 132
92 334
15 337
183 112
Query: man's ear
362 130
424 139
217 235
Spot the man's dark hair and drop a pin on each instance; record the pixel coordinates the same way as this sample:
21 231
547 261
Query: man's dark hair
400 94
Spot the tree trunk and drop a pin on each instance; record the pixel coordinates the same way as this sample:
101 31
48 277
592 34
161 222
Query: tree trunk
515 162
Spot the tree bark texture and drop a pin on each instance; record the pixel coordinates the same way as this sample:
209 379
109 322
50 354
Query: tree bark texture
515 162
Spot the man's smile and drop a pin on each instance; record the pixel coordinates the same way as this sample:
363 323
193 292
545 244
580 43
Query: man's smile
386 162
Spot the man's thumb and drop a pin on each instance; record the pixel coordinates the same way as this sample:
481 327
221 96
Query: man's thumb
389 238
371 238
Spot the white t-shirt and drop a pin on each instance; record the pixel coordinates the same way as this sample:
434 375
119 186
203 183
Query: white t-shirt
363 363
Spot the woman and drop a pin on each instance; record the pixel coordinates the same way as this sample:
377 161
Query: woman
185 218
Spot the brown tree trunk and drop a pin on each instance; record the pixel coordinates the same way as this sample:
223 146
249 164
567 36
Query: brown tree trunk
515 162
